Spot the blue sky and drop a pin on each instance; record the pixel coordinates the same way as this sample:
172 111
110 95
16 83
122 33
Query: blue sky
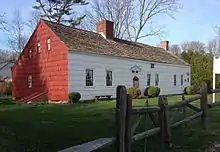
195 21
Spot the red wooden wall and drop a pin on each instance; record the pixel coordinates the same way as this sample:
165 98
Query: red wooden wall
49 68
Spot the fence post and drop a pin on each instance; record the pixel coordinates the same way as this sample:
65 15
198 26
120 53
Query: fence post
121 105
161 122
204 105
167 123
128 136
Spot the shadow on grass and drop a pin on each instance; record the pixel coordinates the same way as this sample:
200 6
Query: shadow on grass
54 127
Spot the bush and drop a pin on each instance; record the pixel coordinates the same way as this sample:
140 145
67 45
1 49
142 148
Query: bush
133 92
152 91
74 97
189 90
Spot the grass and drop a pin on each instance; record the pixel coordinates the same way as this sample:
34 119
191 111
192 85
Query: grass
51 127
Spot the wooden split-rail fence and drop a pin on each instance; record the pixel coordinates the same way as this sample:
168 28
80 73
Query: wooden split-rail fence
126 131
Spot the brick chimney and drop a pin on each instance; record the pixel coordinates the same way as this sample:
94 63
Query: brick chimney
105 28
164 45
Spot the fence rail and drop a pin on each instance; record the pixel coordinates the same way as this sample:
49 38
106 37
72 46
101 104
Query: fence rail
126 131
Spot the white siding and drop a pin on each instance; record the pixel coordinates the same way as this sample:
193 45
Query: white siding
79 62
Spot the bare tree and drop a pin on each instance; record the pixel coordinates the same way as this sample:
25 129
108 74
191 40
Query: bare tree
118 11
132 17
193 46
2 22
17 38
34 19
147 11
175 49
6 56
214 46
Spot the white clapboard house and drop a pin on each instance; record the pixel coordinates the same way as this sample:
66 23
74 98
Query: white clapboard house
103 63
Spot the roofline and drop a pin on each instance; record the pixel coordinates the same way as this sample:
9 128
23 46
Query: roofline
86 52
26 44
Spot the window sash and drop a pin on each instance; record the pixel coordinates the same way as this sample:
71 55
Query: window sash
108 78
181 80
156 79
174 80
148 79
89 77
30 81
48 44
30 54
38 47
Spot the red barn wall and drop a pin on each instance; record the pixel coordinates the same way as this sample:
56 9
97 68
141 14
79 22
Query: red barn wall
49 68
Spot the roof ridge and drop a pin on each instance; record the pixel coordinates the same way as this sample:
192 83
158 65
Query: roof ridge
74 28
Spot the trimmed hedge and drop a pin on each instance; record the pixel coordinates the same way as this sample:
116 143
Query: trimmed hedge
74 97
189 90
152 91
134 92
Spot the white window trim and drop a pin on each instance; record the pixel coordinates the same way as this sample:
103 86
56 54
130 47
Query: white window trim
48 44
30 55
30 81
38 47
106 79
93 86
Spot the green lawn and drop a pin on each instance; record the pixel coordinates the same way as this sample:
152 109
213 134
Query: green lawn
54 127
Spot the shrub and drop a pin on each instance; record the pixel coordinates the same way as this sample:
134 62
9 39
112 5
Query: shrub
74 97
152 91
133 92
189 90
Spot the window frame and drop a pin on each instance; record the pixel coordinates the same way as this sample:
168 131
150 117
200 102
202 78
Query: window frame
148 79
157 79
181 80
91 83
30 54
174 80
38 47
152 65
48 44
29 81
110 79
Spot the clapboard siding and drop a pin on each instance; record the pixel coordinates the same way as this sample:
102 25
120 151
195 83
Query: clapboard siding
120 67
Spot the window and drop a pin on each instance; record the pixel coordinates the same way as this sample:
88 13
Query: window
188 80
48 44
89 77
108 78
187 74
30 54
181 80
38 47
156 79
152 66
174 79
148 79
30 81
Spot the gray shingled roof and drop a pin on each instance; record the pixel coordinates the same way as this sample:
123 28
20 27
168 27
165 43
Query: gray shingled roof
87 41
